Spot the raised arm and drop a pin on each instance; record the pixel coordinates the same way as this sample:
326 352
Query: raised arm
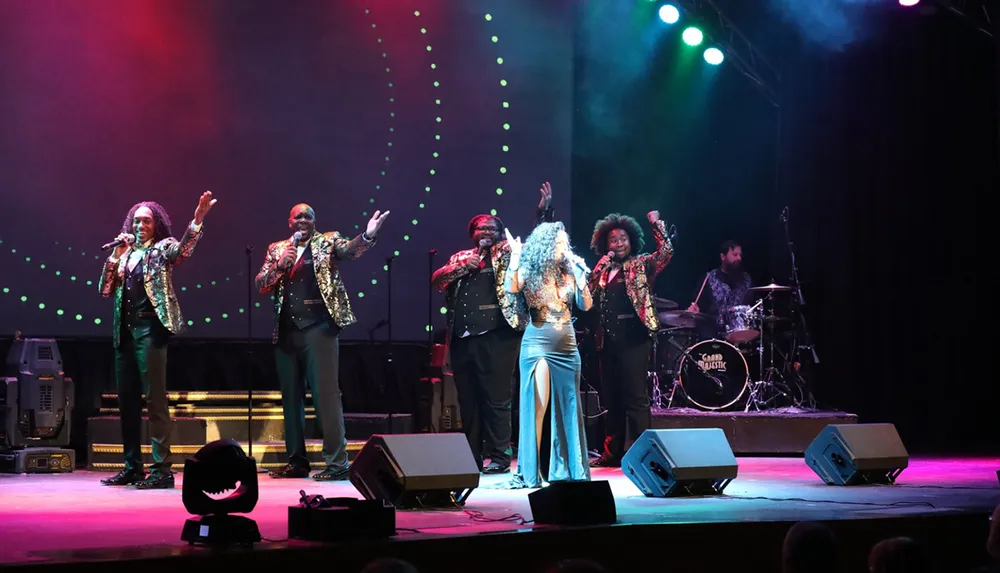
513 281
545 213
348 250
656 261
176 251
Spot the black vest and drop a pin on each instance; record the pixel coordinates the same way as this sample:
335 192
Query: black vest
303 305
476 307
138 315
618 315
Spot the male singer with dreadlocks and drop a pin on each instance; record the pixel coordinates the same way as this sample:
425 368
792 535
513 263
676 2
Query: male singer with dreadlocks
483 334
622 285
139 273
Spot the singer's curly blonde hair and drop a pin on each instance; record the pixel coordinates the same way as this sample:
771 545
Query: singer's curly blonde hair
538 260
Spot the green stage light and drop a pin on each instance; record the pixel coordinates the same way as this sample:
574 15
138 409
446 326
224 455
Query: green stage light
714 56
692 36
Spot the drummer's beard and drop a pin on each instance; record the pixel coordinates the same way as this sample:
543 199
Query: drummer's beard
732 267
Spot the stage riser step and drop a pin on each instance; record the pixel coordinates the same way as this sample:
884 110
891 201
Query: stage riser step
228 398
269 455
755 433
107 430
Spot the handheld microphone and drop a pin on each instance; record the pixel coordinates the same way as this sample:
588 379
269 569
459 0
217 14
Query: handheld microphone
484 245
297 237
129 240
579 262
611 256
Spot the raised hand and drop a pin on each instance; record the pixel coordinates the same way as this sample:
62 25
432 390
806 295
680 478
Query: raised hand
375 223
205 202
653 216
515 244
546 199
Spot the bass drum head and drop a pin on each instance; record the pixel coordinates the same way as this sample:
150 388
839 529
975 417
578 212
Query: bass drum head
714 374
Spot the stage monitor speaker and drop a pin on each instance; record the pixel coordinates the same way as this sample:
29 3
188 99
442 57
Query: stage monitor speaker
853 454
681 462
574 503
413 471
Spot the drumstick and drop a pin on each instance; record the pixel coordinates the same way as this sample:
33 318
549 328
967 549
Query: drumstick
702 289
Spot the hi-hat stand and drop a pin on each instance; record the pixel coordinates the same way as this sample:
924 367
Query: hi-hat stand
770 384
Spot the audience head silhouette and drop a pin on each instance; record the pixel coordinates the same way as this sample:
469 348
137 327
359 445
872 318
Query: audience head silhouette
898 555
809 547
389 565
576 566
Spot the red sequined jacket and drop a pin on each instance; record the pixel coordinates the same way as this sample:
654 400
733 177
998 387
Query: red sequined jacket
640 274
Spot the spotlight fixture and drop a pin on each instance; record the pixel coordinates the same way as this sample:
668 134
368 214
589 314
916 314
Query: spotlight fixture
669 14
692 36
217 468
909 2
713 56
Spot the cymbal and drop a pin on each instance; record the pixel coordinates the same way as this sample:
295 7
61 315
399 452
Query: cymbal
663 303
683 318
771 288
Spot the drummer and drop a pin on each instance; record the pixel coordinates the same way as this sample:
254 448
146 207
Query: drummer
622 286
721 289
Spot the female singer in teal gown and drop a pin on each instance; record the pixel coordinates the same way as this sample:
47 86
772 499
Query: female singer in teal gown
551 279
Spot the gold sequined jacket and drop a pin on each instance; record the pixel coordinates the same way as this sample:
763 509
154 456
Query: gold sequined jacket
328 249
640 273
448 279
158 264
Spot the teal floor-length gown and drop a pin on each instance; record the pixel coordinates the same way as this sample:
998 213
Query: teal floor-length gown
550 336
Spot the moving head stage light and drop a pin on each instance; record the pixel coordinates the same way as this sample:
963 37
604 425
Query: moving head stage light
36 405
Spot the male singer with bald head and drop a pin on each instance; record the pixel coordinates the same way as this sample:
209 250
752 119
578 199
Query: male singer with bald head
311 307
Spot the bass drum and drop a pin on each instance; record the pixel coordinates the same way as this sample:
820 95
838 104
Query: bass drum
713 374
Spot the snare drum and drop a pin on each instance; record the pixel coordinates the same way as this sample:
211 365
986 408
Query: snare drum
742 323
714 374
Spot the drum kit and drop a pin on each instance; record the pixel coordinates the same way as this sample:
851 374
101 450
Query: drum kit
713 372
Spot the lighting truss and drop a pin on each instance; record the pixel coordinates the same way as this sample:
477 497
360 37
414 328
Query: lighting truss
739 51
974 12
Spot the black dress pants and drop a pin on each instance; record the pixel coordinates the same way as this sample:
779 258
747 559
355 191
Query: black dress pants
482 366
624 376
141 369
310 357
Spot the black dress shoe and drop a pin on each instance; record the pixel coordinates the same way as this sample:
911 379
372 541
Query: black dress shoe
332 474
290 471
156 480
496 468
606 461
125 477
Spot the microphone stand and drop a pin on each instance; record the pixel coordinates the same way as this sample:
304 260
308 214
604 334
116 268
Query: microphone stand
430 301
389 366
801 302
249 351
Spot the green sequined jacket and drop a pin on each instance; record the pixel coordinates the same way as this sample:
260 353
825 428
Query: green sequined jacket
328 249
158 263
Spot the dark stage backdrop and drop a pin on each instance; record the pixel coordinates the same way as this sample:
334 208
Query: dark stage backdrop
887 158
433 110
